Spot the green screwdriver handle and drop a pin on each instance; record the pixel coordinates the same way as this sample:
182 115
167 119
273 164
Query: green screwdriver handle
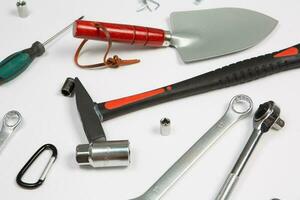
16 63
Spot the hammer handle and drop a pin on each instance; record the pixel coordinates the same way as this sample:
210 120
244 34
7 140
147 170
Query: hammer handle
234 74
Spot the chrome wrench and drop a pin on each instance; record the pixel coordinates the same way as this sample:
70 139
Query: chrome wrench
266 117
11 121
239 107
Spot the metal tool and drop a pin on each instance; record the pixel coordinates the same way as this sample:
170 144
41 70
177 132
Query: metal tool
22 9
11 121
165 126
197 35
99 152
16 63
146 5
239 107
42 178
265 118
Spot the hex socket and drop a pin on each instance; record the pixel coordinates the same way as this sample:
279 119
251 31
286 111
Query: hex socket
165 126
104 154
68 87
22 9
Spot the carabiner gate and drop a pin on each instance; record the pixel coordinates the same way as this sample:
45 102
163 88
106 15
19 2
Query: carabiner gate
29 163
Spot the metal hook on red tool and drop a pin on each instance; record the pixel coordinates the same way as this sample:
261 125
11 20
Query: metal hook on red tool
146 5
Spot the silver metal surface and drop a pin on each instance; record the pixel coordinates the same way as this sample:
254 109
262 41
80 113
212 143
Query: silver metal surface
47 169
104 154
146 5
165 126
265 118
11 121
228 186
239 107
204 34
60 32
22 9
167 40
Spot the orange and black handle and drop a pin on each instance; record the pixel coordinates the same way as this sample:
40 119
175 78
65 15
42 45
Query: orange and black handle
135 35
231 75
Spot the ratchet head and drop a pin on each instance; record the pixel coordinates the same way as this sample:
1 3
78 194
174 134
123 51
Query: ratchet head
267 116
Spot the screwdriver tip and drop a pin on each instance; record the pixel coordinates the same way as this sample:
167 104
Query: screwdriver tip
81 17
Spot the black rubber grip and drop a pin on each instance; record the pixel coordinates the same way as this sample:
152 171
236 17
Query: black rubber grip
234 74
36 50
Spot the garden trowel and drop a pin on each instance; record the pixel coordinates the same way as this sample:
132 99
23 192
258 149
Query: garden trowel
197 35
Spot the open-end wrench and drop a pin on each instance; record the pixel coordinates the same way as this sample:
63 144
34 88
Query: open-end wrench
239 107
265 118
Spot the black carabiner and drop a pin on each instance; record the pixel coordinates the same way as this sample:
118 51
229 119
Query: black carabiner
29 163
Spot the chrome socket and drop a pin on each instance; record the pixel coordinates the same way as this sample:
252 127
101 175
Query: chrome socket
104 154
22 9
165 126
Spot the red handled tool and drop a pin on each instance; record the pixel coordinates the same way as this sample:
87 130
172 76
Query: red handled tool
138 35
234 74
197 35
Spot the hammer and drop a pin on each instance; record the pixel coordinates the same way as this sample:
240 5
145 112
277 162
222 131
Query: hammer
98 152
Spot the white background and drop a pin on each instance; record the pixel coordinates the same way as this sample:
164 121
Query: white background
273 170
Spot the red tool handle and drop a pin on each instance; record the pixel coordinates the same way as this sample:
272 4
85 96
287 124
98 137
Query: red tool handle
119 33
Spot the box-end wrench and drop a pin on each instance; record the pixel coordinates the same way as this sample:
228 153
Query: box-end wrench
239 107
11 121
265 118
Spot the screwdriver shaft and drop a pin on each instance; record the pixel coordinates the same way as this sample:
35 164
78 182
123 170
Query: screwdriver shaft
59 33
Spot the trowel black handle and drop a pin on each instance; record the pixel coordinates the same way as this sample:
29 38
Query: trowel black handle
234 74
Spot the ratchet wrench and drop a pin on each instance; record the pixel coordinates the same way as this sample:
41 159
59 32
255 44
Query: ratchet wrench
11 121
265 118
239 107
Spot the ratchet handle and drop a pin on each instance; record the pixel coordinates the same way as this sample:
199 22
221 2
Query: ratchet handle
234 74
227 187
119 33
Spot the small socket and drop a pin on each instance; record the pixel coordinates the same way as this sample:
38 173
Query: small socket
68 87
22 9
165 126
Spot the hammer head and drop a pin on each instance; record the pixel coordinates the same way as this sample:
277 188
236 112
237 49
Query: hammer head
99 152
104 154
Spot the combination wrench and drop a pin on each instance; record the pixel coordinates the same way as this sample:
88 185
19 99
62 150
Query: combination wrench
11 121
239 107
265 118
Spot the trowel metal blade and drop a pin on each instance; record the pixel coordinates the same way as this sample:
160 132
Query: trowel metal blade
204 34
